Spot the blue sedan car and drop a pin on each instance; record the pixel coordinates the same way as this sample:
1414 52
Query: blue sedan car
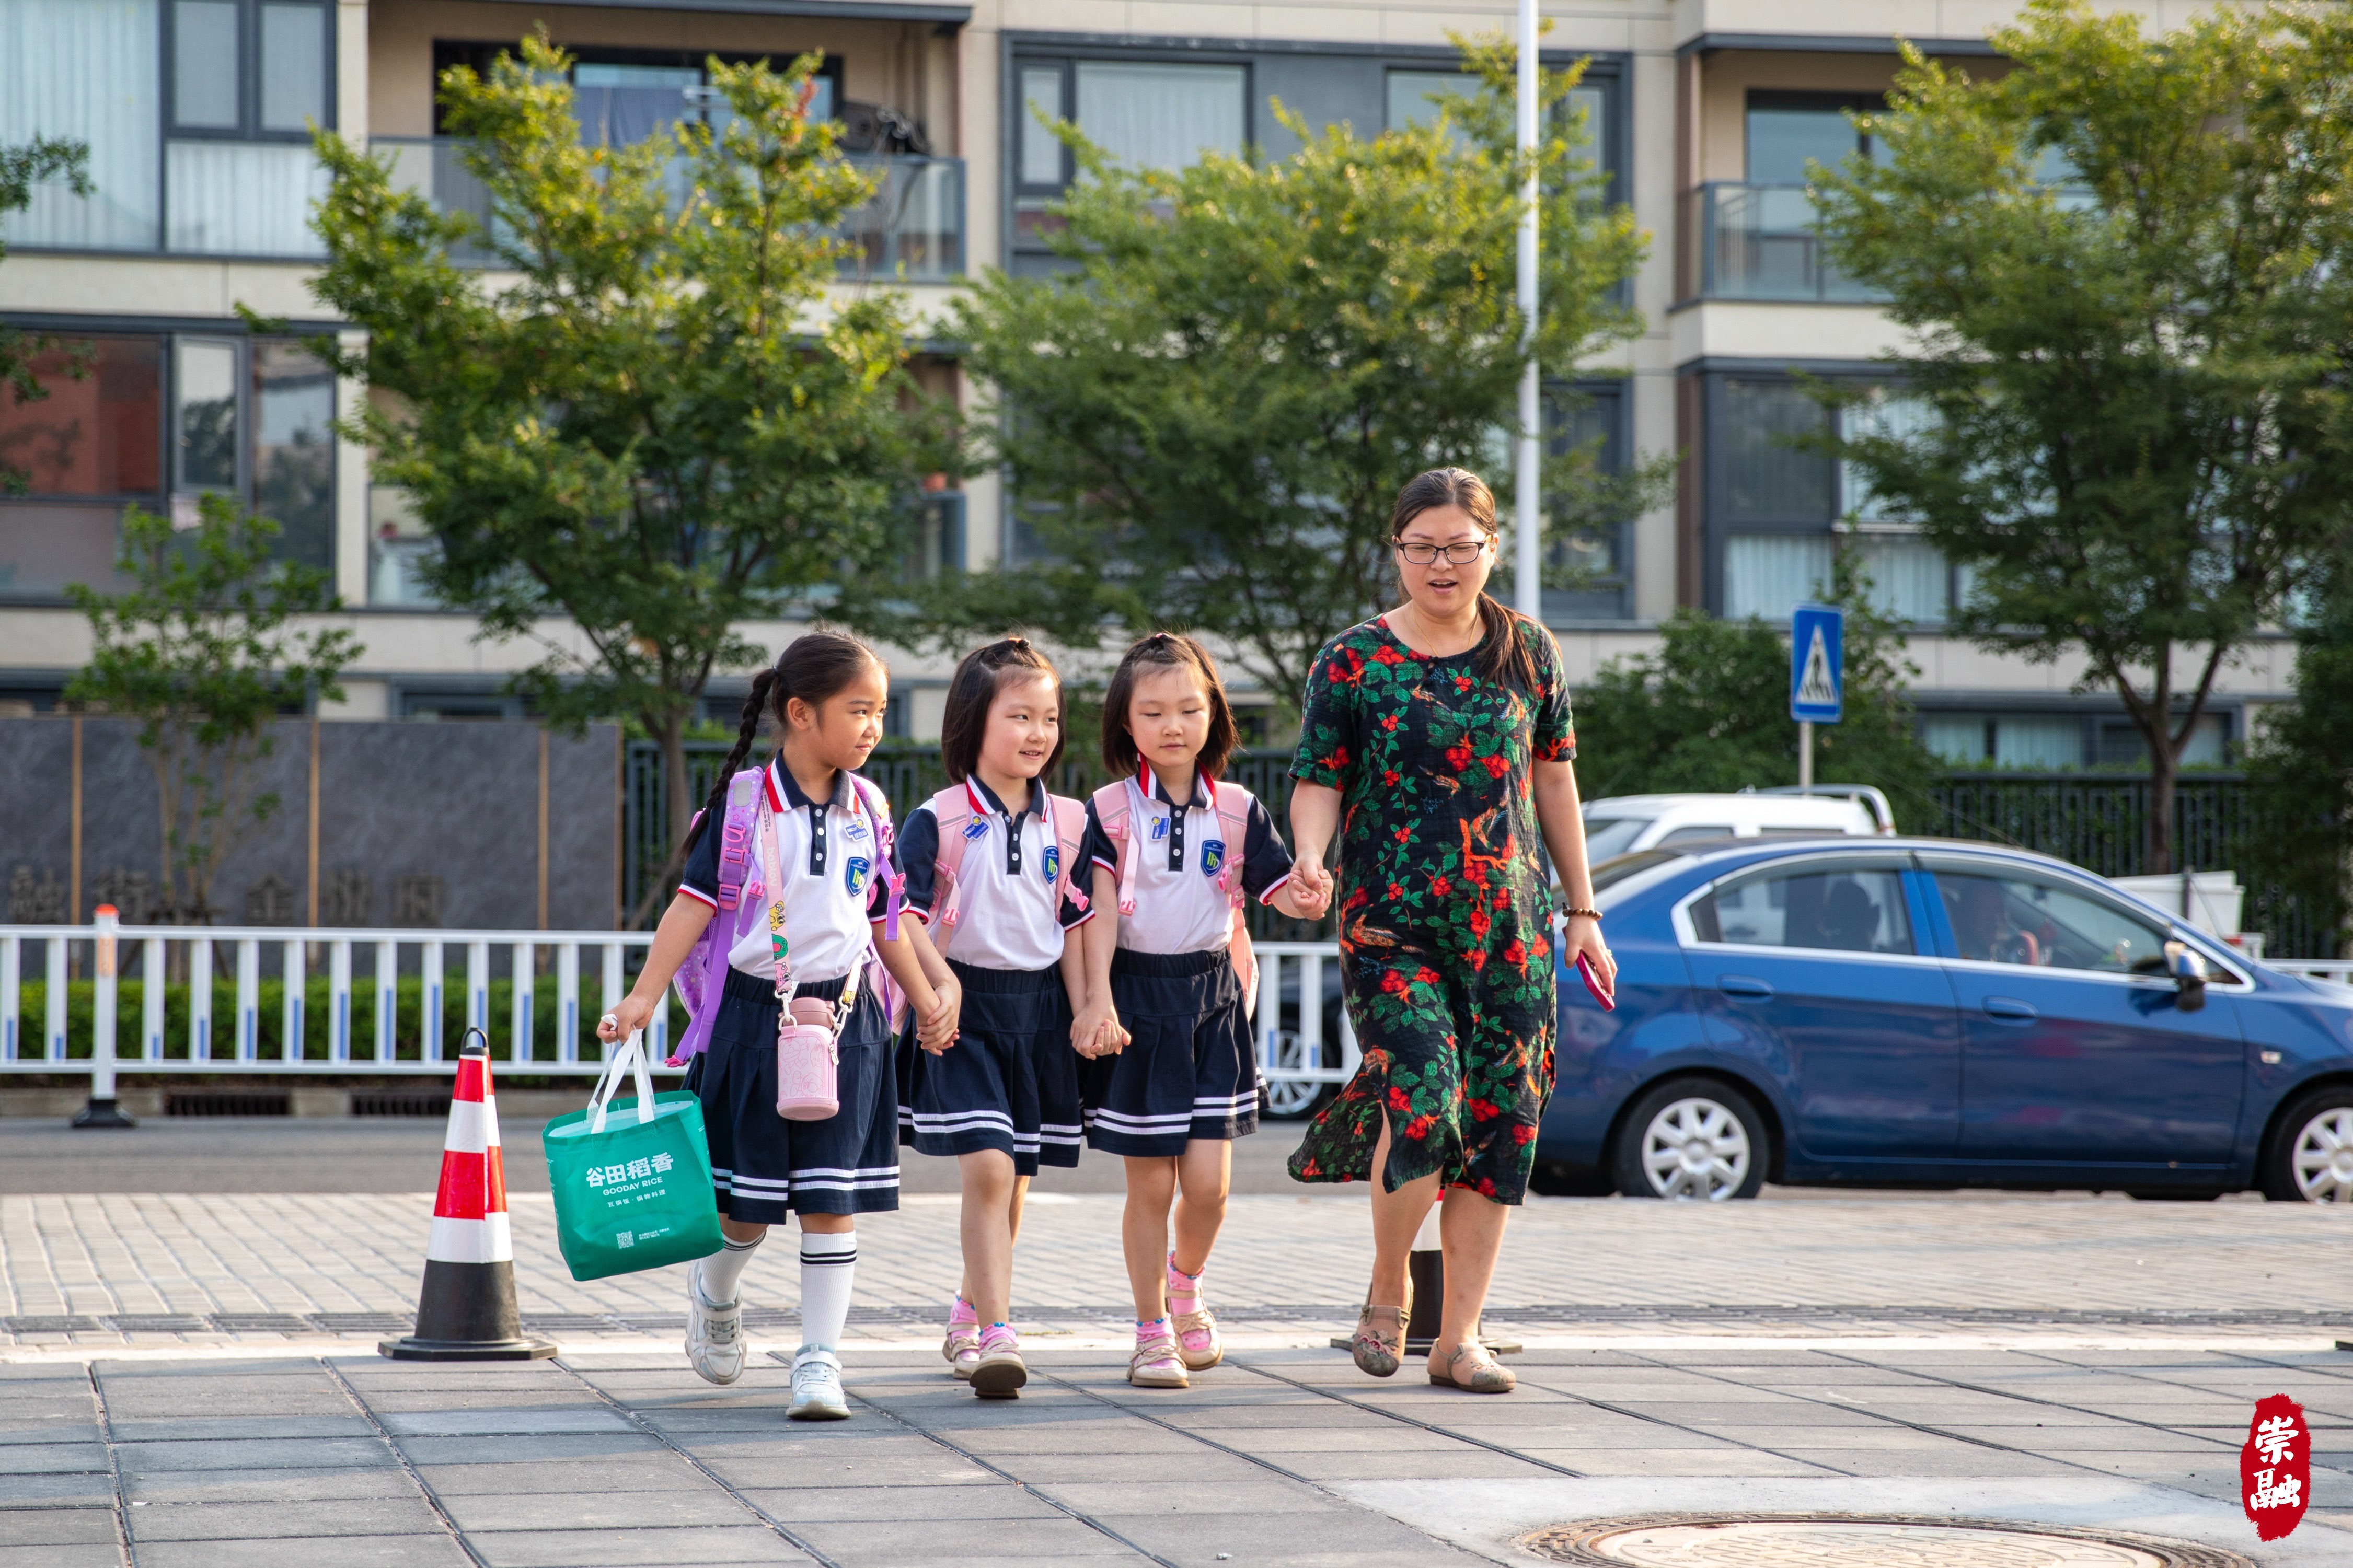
1890 1012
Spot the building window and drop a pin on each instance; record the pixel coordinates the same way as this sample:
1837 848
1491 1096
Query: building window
1417 97
1146 114
160 422
622 96
253 70
1591 414
1787 130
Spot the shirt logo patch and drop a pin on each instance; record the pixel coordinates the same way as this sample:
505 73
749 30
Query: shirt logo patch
856 875
854 830
1159 828
1213 855
1052 864
976 828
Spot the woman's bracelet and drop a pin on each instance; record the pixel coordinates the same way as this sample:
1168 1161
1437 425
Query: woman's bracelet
1586 914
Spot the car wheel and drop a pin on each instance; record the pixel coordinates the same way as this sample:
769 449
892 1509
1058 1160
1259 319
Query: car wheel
2311 1157
1694 1141
1289 1100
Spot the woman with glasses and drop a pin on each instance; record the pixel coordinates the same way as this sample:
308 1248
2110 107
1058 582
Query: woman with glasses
1437 746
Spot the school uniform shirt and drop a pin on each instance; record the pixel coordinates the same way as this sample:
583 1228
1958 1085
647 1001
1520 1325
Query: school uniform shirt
1010 916
1179 908
826 852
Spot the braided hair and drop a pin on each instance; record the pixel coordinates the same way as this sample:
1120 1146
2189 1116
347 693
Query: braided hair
979 677
814 667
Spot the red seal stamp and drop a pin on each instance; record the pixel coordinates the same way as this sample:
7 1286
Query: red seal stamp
2275 1467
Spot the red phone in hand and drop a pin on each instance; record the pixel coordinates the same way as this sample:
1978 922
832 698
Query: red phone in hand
1593 983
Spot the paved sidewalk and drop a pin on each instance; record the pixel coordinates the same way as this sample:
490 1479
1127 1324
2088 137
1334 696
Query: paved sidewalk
1280 1460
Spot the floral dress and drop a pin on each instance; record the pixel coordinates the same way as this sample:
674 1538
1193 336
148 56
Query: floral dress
1445 908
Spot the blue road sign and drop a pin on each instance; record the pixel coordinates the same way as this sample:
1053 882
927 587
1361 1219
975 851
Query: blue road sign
1816 663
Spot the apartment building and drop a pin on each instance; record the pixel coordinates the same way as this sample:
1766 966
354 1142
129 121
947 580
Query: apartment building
1702 114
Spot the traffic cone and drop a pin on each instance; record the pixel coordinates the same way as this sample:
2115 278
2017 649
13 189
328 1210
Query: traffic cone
466 1308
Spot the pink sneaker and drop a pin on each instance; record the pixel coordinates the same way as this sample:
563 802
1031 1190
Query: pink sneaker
1156 1363
960 1349
1195 1329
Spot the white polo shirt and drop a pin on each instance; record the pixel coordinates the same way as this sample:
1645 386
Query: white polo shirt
826 852
1179 908
1009 917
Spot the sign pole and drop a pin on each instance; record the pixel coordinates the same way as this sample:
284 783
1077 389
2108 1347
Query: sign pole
1528 539
1805 753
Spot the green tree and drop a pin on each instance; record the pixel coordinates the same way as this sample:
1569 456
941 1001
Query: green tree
2300 773
1709 711
201 651
2126 266
632 423
1206 414
21 168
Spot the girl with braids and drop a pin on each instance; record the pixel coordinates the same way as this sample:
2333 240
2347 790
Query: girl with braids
818 837
989 863
1437 745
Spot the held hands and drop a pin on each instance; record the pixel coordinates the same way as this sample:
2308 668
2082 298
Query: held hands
629 1016
1095 1032
1309 892
935 1031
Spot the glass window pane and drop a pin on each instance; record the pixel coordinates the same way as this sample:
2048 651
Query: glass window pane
1956 737
1419 98
99 435
1608 836
88 70
1769 575
293 66
619 106
1041 150
1889 414
294 447
1162 116
1585 108
205 423
45 546
1781 140
244 198
2037 740
1767 477
205 79
2026 920
1842 910
1908 577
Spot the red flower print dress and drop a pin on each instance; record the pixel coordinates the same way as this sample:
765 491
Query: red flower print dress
1445 910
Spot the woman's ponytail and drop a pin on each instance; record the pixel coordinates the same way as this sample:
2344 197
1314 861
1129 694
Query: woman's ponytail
1503 656
748 734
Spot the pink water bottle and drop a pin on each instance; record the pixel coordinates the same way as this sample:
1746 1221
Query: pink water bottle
808 1056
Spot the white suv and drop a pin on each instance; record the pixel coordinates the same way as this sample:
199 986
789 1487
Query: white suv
1618 825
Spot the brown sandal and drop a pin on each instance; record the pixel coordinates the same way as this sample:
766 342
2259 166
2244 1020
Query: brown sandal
1380 1345
1485 1375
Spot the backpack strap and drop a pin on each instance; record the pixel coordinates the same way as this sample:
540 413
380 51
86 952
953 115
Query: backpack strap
1115 810
1232 804
736 848
870 796
1067 822
955 810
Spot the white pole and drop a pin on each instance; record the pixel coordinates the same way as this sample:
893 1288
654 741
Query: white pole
1527 568
1805 753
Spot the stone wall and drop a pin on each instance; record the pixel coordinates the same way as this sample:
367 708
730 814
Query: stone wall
418 824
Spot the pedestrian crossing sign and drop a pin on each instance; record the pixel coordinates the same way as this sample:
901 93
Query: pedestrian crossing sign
1816 663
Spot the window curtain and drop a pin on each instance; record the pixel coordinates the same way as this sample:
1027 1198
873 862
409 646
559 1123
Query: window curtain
1769 575
1161 116
1891 416
245 198
1908 577
620 106
86 70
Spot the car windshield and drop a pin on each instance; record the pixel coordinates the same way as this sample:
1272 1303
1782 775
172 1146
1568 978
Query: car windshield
1608 836
1608 873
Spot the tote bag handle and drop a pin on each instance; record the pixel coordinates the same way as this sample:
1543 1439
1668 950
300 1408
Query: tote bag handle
632 1054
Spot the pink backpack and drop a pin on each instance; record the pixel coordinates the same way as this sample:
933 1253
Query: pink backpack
702 978
958 807
1114 807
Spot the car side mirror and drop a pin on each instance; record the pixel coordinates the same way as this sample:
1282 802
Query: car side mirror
2189 971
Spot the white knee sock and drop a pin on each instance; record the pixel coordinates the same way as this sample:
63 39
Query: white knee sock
722 1270
829 1269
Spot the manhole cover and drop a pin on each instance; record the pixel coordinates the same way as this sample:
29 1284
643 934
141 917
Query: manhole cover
1846 1541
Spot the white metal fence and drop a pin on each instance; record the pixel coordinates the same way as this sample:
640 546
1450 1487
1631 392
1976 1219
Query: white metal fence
371 1027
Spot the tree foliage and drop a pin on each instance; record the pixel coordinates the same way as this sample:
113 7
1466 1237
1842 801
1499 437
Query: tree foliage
2300 771
1206 416
1709 712
202 651
644 418
2126 263
44 158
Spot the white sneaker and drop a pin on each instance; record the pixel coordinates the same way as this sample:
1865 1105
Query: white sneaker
714 1334
817 1386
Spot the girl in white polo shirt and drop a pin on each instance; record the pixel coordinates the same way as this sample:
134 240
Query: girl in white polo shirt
1175 851
819 834
989 863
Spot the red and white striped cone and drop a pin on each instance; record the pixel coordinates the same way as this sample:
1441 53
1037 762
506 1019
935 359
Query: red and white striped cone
466 1308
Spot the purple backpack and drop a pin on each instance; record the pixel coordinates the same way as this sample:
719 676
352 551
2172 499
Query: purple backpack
702 978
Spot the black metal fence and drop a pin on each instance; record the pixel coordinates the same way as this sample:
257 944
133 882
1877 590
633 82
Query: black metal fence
2096 821
911 774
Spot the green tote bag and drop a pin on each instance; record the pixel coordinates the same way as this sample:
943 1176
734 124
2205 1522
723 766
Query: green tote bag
632 1178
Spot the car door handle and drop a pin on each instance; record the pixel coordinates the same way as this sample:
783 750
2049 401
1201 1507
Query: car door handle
1743 986
2012 1008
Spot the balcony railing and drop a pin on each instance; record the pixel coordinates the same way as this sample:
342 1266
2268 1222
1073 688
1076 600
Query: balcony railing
1764 242
912 230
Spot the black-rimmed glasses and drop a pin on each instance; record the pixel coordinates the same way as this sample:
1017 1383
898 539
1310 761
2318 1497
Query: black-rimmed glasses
1422 554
